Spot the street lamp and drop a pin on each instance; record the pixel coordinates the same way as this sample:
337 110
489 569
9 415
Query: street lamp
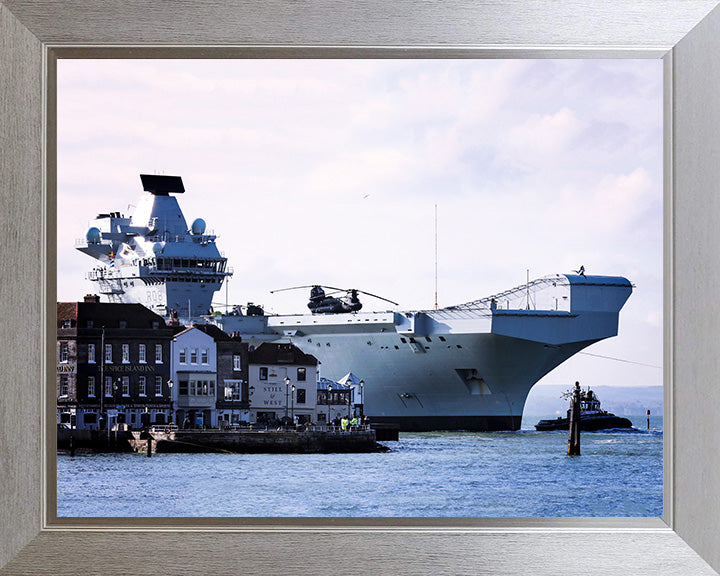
114 398
228 396
292 400
362 399
349 398
287 390
328 402
115 404
251 389
171 418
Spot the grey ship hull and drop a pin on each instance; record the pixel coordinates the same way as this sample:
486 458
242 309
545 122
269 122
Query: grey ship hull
469 367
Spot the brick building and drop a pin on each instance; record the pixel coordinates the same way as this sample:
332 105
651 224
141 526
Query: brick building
113 364
232 376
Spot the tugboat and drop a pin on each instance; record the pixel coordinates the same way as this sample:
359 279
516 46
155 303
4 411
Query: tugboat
592 417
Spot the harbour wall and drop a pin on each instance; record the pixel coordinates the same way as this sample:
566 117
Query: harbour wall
283 441
260 441
94 440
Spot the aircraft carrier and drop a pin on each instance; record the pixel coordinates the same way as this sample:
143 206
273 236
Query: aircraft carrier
465 367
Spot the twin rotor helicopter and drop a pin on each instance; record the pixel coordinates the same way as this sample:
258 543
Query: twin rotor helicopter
322 302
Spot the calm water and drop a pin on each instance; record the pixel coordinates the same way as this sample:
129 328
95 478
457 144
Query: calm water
524 473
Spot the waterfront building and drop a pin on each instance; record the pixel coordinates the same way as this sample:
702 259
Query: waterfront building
333 400
112 365
232 376
194 377
282 382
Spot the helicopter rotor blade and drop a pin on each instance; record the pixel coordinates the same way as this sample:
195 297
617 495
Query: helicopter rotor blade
284 289
335 291
378 297
309 286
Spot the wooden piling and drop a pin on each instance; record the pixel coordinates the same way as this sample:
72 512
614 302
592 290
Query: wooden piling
648 419
149 446
574 422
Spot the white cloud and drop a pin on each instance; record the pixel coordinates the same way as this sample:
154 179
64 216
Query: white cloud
541 139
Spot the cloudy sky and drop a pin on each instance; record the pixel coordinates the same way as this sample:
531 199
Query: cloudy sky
329 172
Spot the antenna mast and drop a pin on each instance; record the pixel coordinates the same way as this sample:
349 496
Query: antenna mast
527 288
436 258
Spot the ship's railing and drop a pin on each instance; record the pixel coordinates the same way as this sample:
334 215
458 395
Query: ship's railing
159 428
103 274
519 298
209 236
189 272
266 428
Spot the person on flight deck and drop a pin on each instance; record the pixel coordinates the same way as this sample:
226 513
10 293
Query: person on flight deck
343 423
354 422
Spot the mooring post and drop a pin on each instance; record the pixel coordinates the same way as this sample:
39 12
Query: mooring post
72 446
149 446
648 419
574 421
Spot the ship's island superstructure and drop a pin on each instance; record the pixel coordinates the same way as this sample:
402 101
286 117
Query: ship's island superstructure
466 367
153 258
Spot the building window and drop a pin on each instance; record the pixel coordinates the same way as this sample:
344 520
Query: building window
193 356
91 386
126 385
67 323
141 354
301 375
126 353
237 362
158 385
123 324
300 396
63 386
89 324
202 388
183 356
155 324
91 353
141 385
204 356
263 373
158 353
108 353
108 385
233 390
64 353
183 388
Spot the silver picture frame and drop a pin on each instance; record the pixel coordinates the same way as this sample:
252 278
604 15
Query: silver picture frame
684 33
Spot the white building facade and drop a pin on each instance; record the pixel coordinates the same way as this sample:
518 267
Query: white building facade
194 376
283 384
